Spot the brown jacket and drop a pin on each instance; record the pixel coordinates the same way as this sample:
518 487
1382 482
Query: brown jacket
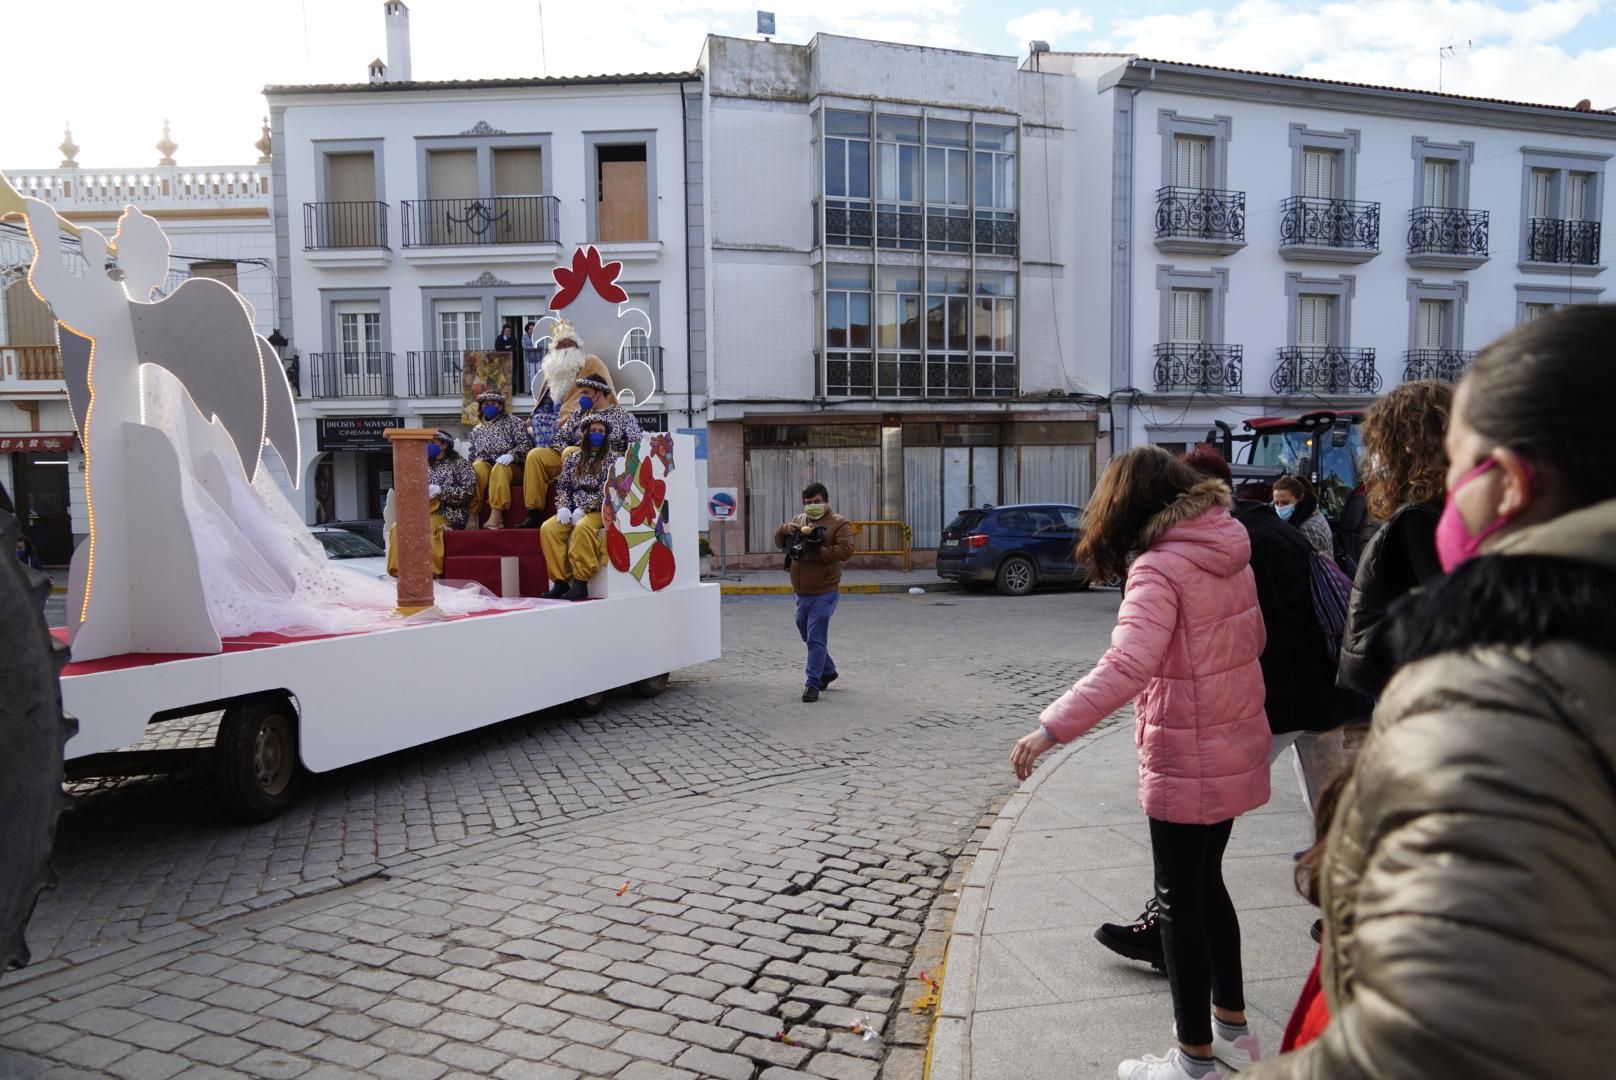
1469 882
820 573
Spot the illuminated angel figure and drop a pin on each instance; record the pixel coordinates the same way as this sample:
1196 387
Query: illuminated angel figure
174 400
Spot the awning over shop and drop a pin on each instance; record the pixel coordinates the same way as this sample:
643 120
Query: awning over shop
38 442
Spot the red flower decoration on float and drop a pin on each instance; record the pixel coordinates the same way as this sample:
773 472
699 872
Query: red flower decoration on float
587 269
654 493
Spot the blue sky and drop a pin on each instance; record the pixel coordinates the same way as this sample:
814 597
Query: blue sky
202 64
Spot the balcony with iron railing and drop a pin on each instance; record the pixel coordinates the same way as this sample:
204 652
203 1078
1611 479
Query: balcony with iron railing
30 364
649 355
1562 246
1445 365
1329 230
1200 220
1445 238
911 227
478 222
431 373
344 226
1198 368
1325 369
351 374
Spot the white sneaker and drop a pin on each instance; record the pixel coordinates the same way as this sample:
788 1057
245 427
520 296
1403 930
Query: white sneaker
1151 1067
1236 1054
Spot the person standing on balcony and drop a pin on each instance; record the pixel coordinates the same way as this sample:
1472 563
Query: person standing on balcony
532 355
499 447
505 342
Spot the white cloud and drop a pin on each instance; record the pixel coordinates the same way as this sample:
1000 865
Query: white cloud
1393 42
1048 24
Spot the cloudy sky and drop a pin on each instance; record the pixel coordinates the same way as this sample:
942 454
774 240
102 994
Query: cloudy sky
202 63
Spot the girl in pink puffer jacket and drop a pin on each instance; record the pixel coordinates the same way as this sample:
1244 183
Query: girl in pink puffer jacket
1185 650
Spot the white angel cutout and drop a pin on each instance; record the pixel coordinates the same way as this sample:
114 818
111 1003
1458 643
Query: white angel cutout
588 297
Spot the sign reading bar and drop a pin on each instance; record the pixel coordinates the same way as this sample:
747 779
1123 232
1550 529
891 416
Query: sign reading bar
355 432
37 444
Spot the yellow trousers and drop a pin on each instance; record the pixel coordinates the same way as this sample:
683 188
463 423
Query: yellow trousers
493 486
538 473
439 526
573 552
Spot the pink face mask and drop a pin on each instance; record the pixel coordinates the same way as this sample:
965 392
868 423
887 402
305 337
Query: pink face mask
1455 543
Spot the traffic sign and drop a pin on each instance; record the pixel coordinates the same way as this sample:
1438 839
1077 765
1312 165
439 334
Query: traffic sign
721 504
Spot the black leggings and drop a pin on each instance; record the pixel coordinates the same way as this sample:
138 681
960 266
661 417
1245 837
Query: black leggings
1199 930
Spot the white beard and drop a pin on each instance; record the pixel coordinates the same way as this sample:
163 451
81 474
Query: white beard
561 368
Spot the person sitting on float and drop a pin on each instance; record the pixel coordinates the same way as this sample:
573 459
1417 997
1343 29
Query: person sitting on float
562 399
499 446
451 480
625 427
574 549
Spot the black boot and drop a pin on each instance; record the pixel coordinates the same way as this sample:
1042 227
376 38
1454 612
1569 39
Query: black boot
578 591
532 521
558 589
1139 940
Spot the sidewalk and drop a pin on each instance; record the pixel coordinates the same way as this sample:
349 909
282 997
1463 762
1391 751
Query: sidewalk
766 582
1028 992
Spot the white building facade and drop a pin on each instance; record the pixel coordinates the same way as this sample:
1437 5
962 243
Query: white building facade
885 254
1271 245
417 220
218 224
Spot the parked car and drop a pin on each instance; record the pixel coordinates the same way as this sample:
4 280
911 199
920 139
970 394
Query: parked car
1014 548
352 551
372 529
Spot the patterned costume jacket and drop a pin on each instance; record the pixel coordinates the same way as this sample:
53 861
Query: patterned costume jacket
457 482
624 428
544 422
579 490
504 434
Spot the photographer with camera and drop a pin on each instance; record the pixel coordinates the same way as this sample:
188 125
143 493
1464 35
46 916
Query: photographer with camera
816 544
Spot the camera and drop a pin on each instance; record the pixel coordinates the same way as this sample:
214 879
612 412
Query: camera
801 543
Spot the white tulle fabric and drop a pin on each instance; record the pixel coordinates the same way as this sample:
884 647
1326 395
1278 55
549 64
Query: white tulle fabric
261 569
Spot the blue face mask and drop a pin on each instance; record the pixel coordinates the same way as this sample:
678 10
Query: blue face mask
490 411
597 439
433 450
586 403
1285 511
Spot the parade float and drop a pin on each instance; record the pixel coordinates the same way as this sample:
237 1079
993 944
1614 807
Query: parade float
199 589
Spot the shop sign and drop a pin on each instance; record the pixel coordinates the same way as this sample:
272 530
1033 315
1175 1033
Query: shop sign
355 432
37 444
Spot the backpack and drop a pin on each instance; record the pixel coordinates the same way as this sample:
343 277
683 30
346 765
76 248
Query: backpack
1332 590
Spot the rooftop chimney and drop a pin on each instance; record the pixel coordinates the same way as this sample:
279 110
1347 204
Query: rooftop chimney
378 70
398 41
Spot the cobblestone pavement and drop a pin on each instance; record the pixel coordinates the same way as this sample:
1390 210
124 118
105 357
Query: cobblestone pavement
658 891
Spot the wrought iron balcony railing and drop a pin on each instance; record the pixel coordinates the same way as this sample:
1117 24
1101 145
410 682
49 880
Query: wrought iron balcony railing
1325 369
1188 367
1200 214
335 225
1442 230
434 373
1329 223
1447 365
651 355
351 375
500 219
1552 240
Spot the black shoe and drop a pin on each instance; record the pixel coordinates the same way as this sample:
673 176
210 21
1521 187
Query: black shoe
826 680
810 694
558 589
1139 940
1316 932
532 521
578 591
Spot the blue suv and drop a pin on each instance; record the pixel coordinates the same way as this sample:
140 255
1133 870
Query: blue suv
1013 547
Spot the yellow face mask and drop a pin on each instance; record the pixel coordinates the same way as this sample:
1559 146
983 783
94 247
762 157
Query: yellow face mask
815 511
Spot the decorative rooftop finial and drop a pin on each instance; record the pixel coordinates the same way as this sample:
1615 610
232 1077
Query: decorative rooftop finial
167 147
69 149
263 144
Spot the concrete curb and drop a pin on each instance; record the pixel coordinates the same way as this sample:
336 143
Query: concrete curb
884 588
950 1053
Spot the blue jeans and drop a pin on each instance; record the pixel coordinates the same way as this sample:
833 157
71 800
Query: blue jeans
813 623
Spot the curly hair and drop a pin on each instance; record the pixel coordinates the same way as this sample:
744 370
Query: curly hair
1402 437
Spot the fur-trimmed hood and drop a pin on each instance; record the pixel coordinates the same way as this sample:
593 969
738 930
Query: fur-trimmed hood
1199 526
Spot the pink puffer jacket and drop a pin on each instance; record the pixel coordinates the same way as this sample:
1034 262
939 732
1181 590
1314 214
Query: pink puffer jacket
1185 645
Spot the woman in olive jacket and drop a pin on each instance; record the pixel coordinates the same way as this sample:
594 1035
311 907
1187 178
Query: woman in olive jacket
1469 880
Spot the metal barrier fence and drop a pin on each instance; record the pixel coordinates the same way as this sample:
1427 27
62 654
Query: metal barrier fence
905 551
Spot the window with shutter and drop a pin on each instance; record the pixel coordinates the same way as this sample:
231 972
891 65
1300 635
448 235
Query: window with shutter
1577 185
1539 195
1318 174
1313 320
1432 318
1438 183
1189 316
1190 161
1535 311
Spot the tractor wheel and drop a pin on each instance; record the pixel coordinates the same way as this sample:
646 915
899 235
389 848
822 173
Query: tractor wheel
33 732
255 767
588 705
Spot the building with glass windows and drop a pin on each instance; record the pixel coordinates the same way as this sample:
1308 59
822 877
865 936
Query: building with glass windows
885 285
